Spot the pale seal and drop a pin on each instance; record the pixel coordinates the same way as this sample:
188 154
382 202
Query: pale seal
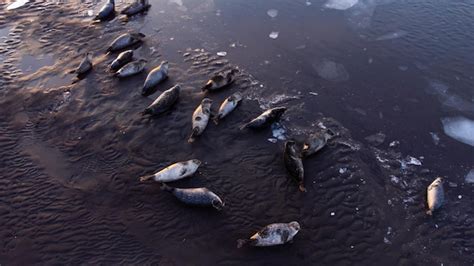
271 235
200 118
156 76
164 102
294 163
228 106
175 171
220 81
266 118
435 195
196 196
125 40
122 59
131 68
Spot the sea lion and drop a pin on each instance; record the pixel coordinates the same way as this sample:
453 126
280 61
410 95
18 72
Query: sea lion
138 6
435 195
164 102
316 142
271 235
131 68
122 59
156 75
84 67
228 106
294 163
125 40
200 118
220 81
265 119
107 10
174 172
196 196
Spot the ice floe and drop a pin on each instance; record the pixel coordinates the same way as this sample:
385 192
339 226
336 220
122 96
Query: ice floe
330 70
273 34
278 131
272 13
459 128
340 4
470 177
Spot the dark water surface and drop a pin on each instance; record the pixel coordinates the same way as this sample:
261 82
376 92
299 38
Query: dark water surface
71 154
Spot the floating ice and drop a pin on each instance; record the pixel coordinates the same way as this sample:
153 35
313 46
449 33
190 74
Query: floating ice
278 131
313 93
459 128
272 13
308 3
448 98
272 140
330 70
470 177
392 35
394 143
340 4
333 213
413 161
273 34
17 4
222 53
435 138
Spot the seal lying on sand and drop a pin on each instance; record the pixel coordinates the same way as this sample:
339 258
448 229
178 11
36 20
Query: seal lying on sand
266 118
271 235
138 6
107 11
131 69
220 81
125 40
196 196
228 106
84 67
200 118
316 142
156 75
175 171
122 59
164 102
435 195
294 163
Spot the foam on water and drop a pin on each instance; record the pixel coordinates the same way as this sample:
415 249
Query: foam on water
340 4
460 129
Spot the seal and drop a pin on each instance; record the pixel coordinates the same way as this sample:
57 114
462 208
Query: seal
131 69
196 196
228 106
107 11
156 75
174 172
435 195
265 119
125 40
136 7
220 81
200 118
271 235
84 67
316 142
294 163
122 59
164 102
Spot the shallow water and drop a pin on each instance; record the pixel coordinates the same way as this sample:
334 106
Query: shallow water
72 153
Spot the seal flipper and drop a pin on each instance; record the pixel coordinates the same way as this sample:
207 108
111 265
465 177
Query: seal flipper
194 133
244 242
146 177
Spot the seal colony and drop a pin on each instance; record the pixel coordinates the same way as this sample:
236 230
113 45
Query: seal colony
294 153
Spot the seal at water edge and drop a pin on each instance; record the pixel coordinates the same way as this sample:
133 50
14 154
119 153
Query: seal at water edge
131 69
200 118
265 119
85 66
107 10
156 76
228 106
125 40
435 195
220 81
196 196
271 235
164 102
294 163
174 172
316 142
122 59
136 7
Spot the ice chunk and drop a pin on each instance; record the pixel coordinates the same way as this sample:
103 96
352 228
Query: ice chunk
272 140
17 4
273 34
459 128
448 98
340 4
331 70
435 138
392 35
272 13
412 160
470 177
222 53
308 3
278 131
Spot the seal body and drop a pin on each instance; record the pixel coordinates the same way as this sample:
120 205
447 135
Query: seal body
316 142
266 118
175 171
228 106
196 196
220 81
435 195
164 102
131 68
85 66
122 59
136 7
272 234
294 163
107 10
200 118
125 40
157 75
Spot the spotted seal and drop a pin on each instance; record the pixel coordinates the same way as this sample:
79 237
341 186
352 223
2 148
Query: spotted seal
316 142
156 76
294 163
107 11
228 106
220 81
435 195
174 172
196 196
272 234
122 59
265 119
131 69
200 118
136 7
125 40
164 102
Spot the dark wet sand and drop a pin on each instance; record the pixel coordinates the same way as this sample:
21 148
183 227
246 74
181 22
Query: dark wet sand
72 154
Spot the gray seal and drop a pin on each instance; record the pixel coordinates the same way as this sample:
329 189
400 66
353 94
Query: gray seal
84 67
122 59
265 119
125 40
107 11
131 68
164 102
200 119
228 106
156 76
196 196
294 163
174 172
220 81
136 7
316 142
435 195
272 234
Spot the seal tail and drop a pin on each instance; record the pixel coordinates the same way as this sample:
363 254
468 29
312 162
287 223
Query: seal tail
216 120
429 212
146 177
193 135
244 126
242 242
